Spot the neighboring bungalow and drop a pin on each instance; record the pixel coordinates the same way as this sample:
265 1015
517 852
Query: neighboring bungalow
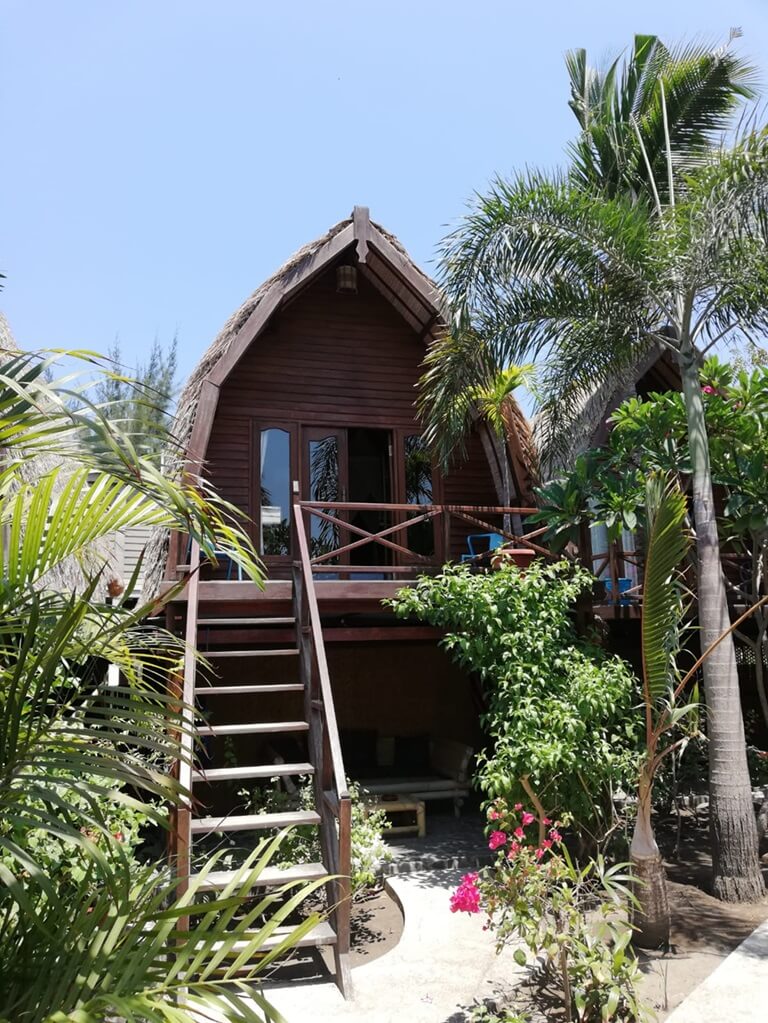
618 563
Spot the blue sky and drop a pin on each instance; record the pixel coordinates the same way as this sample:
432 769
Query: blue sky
161 157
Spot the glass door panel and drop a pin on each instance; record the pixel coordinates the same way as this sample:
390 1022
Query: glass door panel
370 482
325 480
417 463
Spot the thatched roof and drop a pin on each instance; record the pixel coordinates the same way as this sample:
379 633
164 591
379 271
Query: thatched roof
67 576
296 272
382 261
587 427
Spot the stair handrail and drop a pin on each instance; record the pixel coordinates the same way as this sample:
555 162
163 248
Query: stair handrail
182 825
323 676
334 805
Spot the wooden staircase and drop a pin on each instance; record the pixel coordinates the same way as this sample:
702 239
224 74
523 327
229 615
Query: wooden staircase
317 728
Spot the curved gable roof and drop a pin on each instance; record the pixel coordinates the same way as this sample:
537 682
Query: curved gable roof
382 260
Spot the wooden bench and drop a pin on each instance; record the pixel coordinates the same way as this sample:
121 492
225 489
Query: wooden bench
400 804
449 763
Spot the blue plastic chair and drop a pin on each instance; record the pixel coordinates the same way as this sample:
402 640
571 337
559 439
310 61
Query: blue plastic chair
492 543
624 585
225 557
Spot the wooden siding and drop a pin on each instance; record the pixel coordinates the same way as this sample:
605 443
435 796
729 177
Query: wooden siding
469 482
329 359
229 457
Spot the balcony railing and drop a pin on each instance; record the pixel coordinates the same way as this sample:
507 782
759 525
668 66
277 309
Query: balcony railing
365 539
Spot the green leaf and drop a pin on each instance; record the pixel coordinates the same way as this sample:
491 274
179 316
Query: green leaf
667 545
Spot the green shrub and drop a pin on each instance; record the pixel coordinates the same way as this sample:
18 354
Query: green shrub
302 844
66 864
558 715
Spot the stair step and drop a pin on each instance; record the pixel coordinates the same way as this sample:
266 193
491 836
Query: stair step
205 622
254 728
254 821
270 876
278 687
320 934
254 771
292 652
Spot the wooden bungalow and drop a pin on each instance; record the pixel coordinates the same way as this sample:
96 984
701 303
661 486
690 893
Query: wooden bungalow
302 415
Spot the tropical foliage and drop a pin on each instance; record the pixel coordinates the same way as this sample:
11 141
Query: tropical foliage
557 708
566 920
662 691
82 762
593 270
141 402
302 844
608 484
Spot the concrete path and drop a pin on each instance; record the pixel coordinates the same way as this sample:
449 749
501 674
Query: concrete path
442 962
736 992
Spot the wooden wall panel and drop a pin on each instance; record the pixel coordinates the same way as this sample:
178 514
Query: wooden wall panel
469 482
330 359
228 460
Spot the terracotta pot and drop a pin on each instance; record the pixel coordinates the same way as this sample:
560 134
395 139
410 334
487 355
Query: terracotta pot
520 556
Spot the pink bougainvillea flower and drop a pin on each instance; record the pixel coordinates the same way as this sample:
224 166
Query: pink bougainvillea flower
497 838
528 818
518 806
545 820
539 853
119 836
519 833
466 898
514 849
547 843
493 815
555 835
707 389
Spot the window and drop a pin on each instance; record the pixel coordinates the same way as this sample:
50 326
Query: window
275 523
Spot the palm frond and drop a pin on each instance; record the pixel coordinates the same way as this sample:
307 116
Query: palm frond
621 114
666 547
128 952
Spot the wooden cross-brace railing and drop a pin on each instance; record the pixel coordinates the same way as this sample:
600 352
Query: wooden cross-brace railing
338 515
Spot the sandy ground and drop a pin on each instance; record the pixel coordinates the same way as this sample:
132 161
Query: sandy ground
704 932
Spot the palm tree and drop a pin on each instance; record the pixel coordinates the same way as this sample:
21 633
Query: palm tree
75 750
485 398
621 149
543 266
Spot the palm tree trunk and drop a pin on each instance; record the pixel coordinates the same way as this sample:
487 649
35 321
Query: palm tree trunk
733 831
650 917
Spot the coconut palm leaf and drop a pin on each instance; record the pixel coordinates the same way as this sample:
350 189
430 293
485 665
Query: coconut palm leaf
129 952
667 545
620 111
